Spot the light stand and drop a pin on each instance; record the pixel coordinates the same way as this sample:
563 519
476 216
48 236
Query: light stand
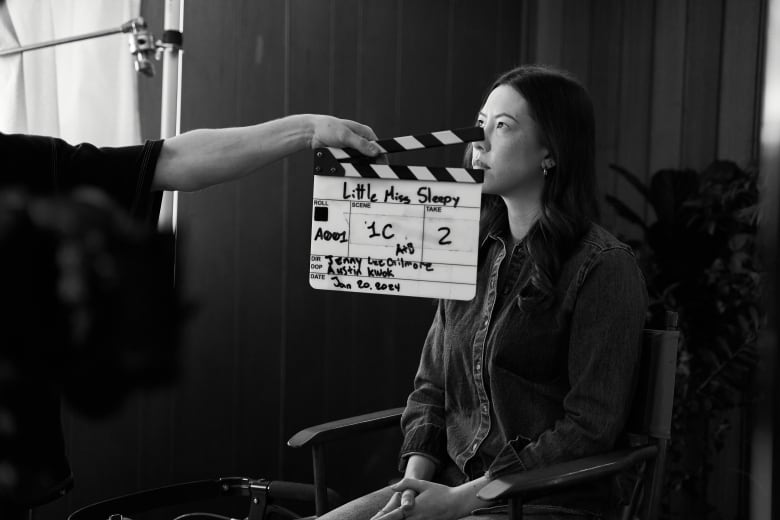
170 117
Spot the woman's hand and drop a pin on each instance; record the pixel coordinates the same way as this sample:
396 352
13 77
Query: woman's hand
432 502
418 468
399 504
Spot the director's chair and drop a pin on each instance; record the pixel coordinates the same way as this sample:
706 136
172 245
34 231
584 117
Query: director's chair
649 427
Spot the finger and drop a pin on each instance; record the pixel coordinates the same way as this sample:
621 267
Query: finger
379 514
410 483
359 137
407 499
393 503
362 130
395 514
362 145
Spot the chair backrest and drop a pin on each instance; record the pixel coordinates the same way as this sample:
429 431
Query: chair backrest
651 413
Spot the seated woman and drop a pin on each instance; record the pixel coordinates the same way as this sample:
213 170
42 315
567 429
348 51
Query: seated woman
539 367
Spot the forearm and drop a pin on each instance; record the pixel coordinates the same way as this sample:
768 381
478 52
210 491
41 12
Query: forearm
466 496
420 467
205 157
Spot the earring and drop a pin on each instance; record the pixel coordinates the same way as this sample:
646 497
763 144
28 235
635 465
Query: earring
548 163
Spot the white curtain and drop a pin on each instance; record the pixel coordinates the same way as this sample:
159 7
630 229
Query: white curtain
83 91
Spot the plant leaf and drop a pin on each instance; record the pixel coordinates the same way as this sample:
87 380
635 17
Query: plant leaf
670 189
633 180
626 212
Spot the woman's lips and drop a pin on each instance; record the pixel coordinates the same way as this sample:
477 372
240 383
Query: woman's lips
480 165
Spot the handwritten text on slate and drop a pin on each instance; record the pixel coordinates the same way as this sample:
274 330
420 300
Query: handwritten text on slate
416 238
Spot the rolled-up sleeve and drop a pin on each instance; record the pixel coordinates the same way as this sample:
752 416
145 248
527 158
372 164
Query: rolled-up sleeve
423 421
604 346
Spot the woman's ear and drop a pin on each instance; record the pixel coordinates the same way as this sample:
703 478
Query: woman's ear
548 163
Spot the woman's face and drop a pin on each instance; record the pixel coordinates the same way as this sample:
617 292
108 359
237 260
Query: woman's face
511 153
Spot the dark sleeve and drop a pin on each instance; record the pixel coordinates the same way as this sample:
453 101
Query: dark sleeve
604 346
47 165
423 421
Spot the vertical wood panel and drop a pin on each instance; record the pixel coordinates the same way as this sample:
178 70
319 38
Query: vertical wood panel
306 344
208 249
259 75
378 57
668 79
701 99
473 63
576 52
635 91
529 27
423 74
511 33
549 37
101 467
739 76
604 87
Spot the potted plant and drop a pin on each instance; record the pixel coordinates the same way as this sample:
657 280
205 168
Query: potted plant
698 253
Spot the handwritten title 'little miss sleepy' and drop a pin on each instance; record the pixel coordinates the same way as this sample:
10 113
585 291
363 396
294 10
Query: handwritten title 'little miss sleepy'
425 195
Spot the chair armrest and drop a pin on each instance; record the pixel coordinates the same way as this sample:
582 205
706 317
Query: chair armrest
329 431
565 474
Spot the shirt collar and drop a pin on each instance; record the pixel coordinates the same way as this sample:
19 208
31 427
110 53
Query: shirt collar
496 224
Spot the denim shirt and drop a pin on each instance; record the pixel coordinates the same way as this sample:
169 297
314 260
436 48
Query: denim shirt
500 389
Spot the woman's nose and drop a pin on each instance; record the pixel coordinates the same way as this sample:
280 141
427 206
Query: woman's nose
482 146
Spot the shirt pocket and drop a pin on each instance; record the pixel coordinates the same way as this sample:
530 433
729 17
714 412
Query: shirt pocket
530 344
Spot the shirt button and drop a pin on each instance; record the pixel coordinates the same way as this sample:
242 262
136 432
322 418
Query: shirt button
485 323
478 367
474 448
485 408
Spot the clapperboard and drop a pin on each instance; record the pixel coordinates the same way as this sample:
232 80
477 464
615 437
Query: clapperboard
391 229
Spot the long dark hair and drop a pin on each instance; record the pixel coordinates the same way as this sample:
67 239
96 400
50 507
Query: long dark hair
563 112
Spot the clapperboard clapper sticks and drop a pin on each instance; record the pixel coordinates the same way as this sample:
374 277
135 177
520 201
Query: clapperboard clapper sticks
395 229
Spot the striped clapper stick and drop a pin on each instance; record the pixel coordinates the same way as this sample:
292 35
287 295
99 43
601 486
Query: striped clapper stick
392 229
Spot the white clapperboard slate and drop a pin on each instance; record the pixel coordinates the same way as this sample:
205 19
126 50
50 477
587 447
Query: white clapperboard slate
393 229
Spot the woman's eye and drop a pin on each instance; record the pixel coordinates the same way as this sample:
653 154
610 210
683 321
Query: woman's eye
480 123
500 124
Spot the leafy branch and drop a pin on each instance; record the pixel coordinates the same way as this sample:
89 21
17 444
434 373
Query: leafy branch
698 254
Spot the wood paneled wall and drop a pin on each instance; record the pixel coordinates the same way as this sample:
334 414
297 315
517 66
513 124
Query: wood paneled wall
673 82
